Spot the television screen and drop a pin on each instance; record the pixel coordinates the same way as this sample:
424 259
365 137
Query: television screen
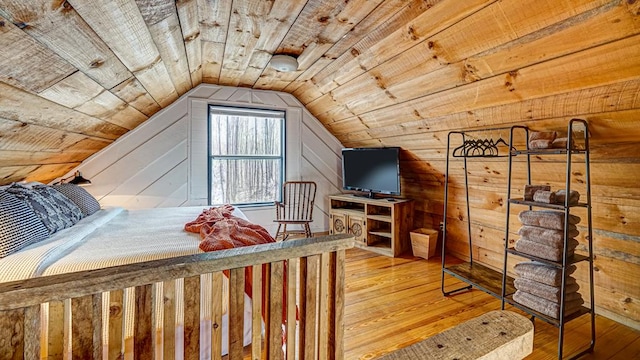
374 170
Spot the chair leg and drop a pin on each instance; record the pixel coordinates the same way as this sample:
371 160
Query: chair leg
277 232
285 235
307 230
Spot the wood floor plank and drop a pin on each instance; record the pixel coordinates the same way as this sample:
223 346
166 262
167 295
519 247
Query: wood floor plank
631 351
395 302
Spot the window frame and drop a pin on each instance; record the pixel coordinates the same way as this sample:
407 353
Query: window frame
240 111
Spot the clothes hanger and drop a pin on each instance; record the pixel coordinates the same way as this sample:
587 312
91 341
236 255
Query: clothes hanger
503 142
462 148
475 149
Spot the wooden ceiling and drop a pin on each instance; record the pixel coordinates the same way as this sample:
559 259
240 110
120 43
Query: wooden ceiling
76 74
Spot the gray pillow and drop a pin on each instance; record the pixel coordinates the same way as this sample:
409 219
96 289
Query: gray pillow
19 225
81 197
42 207
62 203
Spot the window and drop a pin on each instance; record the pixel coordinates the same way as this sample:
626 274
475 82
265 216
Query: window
246 162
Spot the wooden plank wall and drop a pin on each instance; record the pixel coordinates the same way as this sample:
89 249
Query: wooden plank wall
475 64
163 162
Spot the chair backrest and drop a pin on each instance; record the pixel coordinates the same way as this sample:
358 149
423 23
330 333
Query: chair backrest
297 200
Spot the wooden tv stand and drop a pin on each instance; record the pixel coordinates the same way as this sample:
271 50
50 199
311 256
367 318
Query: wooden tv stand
379 225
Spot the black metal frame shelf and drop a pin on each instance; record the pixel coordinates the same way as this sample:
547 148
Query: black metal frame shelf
544 205
576 258
566 208
481 277
546 318
547 152
471 272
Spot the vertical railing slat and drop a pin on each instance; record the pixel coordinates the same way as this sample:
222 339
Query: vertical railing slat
32 331
216 314
336 305
312 306
143 327
266 307
82 327
309 269
169 303
275 310
44 331
311 297
256 311
192 318
128 318
323 308
236 313
292 269
55 330
157 320
12 333
116 311
302 306
96 320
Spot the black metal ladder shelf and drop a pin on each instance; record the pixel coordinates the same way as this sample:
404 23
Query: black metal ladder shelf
575 127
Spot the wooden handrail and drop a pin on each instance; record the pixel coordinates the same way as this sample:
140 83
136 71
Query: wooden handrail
30 292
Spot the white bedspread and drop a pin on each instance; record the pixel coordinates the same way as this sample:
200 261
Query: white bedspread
130 237
107 238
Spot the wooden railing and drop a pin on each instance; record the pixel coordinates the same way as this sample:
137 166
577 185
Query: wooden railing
83 315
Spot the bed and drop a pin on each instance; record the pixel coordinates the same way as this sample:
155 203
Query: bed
125 284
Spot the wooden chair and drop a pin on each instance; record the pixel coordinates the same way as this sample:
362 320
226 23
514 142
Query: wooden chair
296 208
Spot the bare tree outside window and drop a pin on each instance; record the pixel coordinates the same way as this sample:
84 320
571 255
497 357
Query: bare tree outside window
246 155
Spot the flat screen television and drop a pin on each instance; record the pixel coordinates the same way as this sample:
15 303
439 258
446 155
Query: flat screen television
371 170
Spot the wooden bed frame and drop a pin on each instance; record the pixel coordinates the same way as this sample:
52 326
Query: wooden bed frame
314 292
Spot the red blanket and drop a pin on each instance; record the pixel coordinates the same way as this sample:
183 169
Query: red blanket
221 230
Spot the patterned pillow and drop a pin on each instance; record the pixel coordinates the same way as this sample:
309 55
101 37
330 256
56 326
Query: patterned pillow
62 203
19 225
81 197
46 211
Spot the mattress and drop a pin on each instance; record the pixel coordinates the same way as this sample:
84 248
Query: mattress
109 237
115 236
132 236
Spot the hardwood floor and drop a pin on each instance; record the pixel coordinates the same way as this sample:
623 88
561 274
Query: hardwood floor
394 302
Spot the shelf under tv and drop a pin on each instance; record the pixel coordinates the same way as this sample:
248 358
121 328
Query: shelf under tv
379 225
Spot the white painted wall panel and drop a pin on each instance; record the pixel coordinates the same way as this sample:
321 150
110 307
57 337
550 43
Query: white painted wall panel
320 131
157 192
198 173
205 91
177 198
106 180
132 140
134 186
163 162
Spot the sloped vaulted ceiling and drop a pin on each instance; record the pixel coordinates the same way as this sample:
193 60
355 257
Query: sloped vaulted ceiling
77 74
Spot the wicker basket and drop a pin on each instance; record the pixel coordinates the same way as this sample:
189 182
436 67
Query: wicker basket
423 242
